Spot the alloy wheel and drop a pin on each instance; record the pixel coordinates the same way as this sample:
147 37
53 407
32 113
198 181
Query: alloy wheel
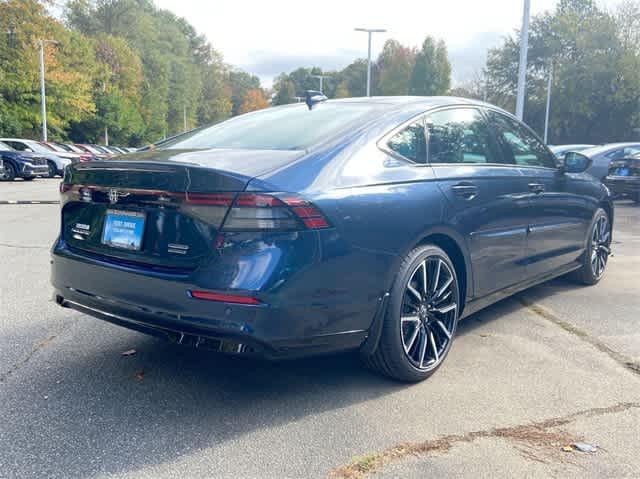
600 241
429 313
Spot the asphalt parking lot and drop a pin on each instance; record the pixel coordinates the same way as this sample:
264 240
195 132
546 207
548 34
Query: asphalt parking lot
526 377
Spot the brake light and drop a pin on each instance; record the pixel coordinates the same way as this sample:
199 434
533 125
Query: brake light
260 212
224 298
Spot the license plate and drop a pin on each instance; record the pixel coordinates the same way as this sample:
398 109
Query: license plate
123 229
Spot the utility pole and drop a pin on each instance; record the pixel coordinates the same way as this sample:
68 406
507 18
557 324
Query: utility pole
369 31
546 117
43 94
522 67
320 77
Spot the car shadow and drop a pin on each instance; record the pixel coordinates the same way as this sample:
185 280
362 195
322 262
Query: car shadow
99 412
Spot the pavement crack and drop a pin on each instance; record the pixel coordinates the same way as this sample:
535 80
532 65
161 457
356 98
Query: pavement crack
537 434
4 375
544 313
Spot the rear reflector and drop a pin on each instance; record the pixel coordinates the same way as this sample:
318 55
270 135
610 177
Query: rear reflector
223 298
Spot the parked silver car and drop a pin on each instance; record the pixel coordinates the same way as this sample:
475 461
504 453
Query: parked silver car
601 156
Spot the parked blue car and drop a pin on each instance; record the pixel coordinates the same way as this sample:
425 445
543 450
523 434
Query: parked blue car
18 164
369 224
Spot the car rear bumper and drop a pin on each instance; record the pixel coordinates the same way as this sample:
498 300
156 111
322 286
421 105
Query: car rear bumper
623 185
161 306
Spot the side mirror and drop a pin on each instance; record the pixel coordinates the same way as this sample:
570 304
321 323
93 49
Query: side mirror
574 163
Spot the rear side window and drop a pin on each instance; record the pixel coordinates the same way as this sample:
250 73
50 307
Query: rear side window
459 136
410 143
519 145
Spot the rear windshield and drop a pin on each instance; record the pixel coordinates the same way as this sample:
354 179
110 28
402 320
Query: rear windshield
287 128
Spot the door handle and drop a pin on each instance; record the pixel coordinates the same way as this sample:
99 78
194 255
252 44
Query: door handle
536 188
465 190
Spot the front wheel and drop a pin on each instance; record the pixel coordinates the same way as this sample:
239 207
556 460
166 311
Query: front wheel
596 256
53 170
421 318
9 173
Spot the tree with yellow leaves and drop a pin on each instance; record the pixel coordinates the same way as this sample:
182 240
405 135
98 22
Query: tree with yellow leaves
254 100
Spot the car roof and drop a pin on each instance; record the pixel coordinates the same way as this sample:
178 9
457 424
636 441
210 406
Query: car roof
19 139
597 150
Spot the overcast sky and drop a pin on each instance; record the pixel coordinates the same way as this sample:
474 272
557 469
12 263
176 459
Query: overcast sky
269 37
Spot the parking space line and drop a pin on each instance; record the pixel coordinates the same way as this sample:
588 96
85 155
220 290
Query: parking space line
29 202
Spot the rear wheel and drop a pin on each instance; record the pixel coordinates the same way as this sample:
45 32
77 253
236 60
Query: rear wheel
421 318
53 171
596 256
9 173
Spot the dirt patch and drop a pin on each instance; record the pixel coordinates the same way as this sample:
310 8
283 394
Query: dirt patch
540 441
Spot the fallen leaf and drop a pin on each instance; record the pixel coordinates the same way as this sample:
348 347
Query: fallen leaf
567 448
129 352
140 375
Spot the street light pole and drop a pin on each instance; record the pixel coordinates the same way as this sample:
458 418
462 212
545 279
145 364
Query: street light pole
320 77
522 67
546 117
369 31
43 94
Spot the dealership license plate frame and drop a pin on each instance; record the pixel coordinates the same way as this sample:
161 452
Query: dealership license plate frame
132 234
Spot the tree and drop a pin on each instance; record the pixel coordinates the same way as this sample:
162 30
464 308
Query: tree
70 66
241 83
432 71
395 65
353 79
254 100
285 90
596 87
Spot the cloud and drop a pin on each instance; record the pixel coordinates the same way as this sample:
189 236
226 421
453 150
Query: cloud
269 64
467 60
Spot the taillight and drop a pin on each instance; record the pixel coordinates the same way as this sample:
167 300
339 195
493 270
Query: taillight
84 158
260 212
210 208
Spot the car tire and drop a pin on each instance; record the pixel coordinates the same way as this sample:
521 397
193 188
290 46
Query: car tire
596 255
9 172
421 317
53 169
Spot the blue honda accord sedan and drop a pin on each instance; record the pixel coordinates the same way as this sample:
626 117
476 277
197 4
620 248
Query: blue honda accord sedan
371 224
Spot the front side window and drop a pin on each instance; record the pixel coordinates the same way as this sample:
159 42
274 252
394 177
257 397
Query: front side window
519 145
459 136
17 145
410 142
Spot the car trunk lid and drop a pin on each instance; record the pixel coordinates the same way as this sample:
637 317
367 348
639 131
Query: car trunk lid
157 210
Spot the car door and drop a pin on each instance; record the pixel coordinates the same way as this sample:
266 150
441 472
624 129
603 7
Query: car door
560 206
487 198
